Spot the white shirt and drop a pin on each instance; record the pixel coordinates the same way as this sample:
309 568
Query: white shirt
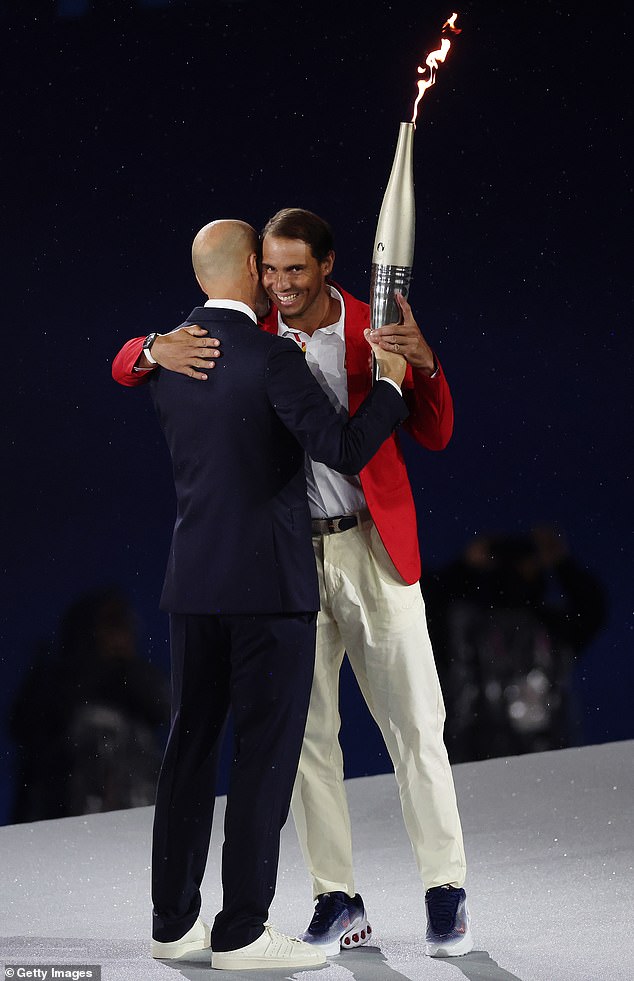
233 305
329 493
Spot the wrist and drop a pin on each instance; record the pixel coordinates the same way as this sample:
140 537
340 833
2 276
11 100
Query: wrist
389 373
142 364
427 369
147 348
385 370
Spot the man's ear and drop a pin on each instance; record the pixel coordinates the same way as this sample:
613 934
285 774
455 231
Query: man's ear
328 263
254 266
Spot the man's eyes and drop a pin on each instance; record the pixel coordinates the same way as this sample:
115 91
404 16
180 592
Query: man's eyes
292 269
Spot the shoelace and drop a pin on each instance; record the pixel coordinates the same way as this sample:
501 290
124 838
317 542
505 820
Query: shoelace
280 944
328 908
442 906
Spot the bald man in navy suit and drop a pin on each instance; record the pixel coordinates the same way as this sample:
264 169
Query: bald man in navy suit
242 594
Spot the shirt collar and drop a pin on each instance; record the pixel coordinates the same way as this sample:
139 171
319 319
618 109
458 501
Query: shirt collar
337 328
233 305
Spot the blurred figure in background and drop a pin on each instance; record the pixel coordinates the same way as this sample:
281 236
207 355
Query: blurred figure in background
87 717
508 619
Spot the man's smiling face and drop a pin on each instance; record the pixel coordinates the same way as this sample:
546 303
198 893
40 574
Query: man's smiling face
294 279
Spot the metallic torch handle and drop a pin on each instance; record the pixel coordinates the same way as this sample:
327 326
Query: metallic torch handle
393 254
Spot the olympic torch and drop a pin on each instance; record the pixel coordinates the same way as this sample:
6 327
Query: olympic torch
393 254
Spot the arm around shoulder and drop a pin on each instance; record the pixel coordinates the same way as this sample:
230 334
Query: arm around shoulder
124 363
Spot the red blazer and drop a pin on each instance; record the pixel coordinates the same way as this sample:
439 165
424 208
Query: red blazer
384 480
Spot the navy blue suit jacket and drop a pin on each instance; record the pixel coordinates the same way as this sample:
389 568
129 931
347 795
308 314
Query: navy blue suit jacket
242 538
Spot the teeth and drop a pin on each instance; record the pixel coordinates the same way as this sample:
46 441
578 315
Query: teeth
287 298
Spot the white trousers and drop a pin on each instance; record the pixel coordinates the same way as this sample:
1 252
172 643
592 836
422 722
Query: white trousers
368 612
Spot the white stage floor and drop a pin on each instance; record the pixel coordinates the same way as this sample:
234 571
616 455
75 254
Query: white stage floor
550 847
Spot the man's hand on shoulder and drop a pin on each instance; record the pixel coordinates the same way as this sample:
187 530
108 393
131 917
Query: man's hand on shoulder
406 339
185 350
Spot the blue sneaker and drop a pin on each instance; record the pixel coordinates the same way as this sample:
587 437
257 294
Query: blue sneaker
338 923
448 931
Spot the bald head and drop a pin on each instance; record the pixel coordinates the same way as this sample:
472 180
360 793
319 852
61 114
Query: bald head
223 256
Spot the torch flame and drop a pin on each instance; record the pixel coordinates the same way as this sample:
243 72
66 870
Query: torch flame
432 60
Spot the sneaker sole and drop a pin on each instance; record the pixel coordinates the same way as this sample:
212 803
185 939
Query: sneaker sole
457 949
178 952
356 935
223 963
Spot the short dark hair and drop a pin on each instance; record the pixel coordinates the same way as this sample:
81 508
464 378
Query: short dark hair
305 226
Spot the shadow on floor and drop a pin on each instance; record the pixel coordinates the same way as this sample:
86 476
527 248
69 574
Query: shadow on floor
370 964
363 964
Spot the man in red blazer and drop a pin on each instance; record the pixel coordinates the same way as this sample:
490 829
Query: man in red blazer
366 548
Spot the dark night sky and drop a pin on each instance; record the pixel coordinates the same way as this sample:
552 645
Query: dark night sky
128 128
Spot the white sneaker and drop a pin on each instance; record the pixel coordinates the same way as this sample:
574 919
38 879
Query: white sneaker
272 949
198 938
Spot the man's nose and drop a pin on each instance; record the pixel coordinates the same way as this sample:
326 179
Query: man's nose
281 281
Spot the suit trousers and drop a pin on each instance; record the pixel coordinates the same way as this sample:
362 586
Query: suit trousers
260 667
368 612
